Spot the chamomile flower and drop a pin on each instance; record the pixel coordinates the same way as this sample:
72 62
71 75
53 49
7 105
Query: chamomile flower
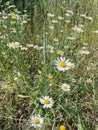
7 3
36 121
89 80
86 52
24 48
30 45
59 52
13 30
67 21
85 44
15 16
4 17
83 15
89 18
13 45
72 66
51 27
51 51
78 29
60 18
46 101
65 87
67 14
71 38
24 21
62 64
54 21
50 15
61 31
69 11
62 127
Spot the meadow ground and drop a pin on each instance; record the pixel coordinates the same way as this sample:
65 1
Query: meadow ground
49 65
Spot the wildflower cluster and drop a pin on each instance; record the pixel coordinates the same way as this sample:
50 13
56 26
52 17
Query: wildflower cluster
49 69
59 46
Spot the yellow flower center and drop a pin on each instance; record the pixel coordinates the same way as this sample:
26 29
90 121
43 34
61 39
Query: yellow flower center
89 81
15 45
63 64
13 30
62 127
46 101
50 76
65 87
15 16
36 121
59 52
81 30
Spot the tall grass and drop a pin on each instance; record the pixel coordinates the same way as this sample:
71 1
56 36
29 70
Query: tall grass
31 40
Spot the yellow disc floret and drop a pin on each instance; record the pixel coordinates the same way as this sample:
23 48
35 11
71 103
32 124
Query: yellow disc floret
65 87
36 121
62 127
15 16
59 52
46 101
50 76
63 64
15 45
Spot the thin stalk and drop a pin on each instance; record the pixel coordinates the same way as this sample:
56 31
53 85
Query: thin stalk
45 42
94 103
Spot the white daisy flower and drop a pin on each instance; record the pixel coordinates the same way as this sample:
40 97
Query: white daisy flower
51 51
24 21
86 52
67 14
61 31
36 121
69 11
13 45
15 16
60 18
47 102
30 45
51 27
4 17
59 52
65 87
67 21
62 64
71 38
81 25
77 29
89 18
85 44
54 21
7 3
50 15
89 80
13 30
72 66
24 48
83 15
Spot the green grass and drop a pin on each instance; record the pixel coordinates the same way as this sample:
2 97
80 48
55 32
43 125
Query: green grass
52 32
